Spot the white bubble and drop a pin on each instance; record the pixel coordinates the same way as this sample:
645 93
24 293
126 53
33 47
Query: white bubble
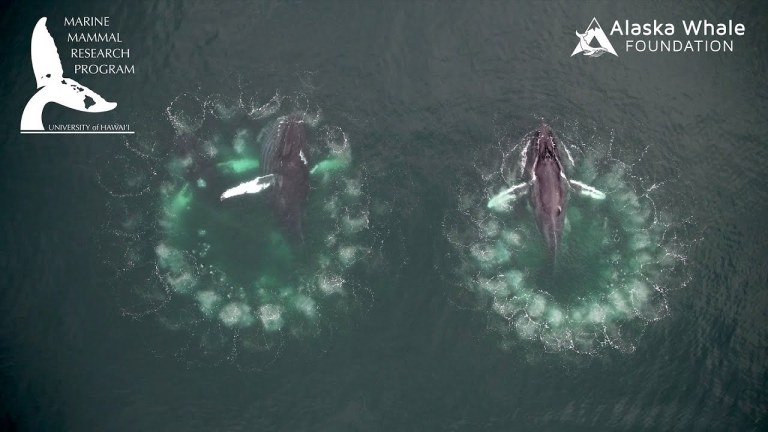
337 141
633 202
483 253
512 238
640 241
501 254
668 259
330 240
348 255
596 313
323 261
490 228
537 306
497 287
526 327
639 293
306 305
577 316
184 162
210 149
267 109
619 302
332 207
353 187
583 340
330 284
557 340
639 260
616 257
183 282
355 224
208 301
466 201
514 278
504 308
271 317
240 141
164 252
555 316
236 315
185 113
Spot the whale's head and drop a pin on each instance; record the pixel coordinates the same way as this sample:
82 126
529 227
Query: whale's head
545 144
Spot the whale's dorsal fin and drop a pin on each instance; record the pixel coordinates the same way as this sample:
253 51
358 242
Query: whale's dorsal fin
45 57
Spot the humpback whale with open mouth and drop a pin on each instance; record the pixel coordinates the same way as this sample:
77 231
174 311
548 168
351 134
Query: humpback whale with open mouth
286 172
52 86
548 185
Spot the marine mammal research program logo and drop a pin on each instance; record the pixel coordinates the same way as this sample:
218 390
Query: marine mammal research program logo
54 86
698 36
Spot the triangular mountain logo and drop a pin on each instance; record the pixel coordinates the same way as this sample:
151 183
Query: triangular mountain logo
593 33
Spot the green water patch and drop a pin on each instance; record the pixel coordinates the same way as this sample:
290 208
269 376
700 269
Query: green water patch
239 166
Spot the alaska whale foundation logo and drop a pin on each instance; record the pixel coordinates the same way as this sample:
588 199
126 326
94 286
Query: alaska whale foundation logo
656 36
593 33
53 86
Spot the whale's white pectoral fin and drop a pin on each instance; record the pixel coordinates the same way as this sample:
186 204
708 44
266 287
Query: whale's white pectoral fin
499 201
254 186
45 57
586 190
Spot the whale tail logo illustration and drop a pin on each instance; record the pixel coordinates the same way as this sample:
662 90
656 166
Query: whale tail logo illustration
593 33
53 86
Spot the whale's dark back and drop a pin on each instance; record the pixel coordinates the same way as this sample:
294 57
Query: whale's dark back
284 155
549 191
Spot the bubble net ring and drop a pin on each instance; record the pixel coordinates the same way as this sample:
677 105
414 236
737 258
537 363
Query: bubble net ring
201 264
617 259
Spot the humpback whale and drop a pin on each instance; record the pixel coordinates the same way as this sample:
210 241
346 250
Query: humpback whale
548 185
286 172
52 86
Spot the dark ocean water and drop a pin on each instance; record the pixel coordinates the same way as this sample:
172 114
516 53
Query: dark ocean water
427 94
